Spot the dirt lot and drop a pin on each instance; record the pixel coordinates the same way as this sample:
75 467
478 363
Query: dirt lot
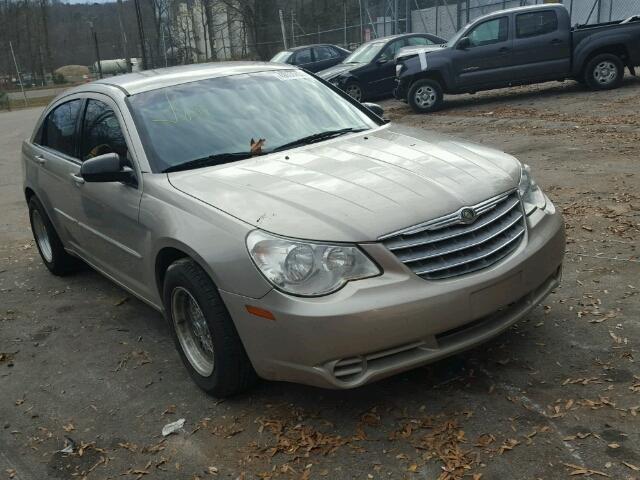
555 396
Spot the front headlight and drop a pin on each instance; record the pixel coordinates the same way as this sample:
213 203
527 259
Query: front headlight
532 196
307 269
398 70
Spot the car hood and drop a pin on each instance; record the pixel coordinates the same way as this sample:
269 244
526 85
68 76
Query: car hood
416 49
337 70
355 188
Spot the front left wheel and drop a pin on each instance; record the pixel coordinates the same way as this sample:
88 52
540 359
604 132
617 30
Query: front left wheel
204 332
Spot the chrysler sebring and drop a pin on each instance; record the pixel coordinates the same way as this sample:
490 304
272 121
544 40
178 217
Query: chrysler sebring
285 230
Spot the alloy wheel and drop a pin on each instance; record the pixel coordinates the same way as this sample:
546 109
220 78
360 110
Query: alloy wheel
193 331
425 97
605 73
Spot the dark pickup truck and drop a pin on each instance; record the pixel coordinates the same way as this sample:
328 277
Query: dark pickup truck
517 47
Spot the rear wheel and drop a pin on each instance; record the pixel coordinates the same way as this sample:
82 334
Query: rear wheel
425 96
53 254
604 72
203 331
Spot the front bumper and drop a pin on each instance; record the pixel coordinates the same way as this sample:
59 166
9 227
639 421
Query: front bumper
381 326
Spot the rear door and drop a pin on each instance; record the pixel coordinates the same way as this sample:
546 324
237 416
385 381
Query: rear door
381 80
55 156
541 48
485 62
111 234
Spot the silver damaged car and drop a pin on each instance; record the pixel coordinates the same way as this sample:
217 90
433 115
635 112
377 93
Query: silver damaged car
285 230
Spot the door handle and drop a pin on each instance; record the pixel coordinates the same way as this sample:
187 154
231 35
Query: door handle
77 178
504 50
40 160
556 41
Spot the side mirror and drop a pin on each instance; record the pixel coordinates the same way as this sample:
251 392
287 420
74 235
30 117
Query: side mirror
106 168
464 43
382 61
375 108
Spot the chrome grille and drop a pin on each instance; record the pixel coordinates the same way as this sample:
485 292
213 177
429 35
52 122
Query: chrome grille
446 247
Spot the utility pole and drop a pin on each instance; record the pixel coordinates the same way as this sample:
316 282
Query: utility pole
284 32
125 48
141 34
293 28
15 62
95 44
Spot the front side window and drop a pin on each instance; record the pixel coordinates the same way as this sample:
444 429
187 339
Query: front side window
101 132
60 127
303 56
220 116
491 31
325 53
536 23
419 41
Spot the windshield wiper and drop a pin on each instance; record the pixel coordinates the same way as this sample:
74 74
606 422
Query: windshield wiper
209 161
317 137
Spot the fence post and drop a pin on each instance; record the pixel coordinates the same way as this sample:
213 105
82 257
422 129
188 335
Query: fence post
458 14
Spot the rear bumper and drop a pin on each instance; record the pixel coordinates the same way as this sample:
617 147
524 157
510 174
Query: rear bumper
381 326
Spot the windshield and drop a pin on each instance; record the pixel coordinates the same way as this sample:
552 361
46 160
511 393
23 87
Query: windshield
281 57
217 116
365 53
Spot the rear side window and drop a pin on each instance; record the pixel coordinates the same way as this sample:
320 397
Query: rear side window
101 132
491 31
536 23
60 128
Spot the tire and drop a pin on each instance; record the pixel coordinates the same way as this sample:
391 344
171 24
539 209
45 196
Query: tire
355 91
604 72
223 369
50 247
425 96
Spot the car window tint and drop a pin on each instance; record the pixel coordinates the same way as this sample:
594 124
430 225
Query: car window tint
419 41
60 127
536 23
324 53
390 50
491 31
303 56
101 132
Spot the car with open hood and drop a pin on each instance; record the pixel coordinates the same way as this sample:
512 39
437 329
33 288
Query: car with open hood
284 230
369 71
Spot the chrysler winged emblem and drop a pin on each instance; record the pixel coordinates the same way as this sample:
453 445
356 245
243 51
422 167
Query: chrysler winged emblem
468 215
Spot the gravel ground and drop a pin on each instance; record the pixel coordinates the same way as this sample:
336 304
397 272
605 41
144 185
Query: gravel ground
558 395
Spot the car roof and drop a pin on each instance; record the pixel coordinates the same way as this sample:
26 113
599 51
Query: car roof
526 8
294 49
399 35
133 83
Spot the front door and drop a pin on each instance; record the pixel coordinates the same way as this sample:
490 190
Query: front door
381 79
540 49
485 61
112 237
56 160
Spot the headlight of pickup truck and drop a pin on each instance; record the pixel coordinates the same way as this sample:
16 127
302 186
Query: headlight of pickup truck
399 69
532 196
307 269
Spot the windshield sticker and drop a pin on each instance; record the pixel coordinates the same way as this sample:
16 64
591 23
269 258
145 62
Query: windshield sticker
423 60
290 74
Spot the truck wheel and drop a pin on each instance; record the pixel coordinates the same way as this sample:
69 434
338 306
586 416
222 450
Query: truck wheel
53 254
203 331
604 72
425 96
